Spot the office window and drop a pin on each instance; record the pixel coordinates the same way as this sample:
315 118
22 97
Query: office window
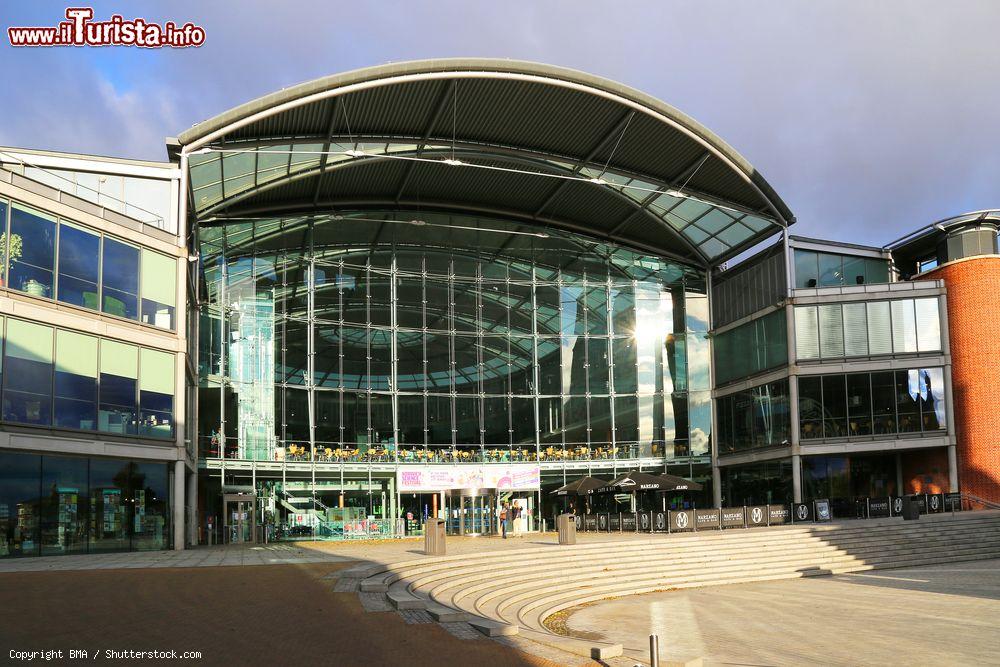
806 332
855 330
884 402
907 401
831 331
119 377
76 381
156 394
928 324
932 407
27 393
159 289
879 329
831 270
19 503
810 407
120 279
63 505
834 406
876 271
806 269
31 252
854 270
79 270
859 404
904 326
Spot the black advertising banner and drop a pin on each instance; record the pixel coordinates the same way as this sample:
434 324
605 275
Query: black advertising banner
590 522
801 512
615 522
628 523
757 516
707 519
935 503
921 501
646 522
953 502
778 515
733 517
860 508
578 520
823 511
660 522
681 520
879 507
896 505
602 523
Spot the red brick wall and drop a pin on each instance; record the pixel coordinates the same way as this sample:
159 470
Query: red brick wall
974 326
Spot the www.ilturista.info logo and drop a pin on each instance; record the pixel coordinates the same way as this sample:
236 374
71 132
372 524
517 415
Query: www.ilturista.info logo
81 30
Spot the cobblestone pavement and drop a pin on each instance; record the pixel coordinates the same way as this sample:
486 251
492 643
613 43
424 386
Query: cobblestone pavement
274 615
938 614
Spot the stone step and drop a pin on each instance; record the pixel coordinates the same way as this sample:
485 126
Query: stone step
401 599
443 614
492 628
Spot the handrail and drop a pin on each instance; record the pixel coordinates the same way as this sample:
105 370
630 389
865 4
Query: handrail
988 504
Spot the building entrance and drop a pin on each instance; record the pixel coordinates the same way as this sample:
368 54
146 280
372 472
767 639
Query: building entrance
239 518
470 511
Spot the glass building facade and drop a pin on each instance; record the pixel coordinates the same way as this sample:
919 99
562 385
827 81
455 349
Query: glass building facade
377 337
53 505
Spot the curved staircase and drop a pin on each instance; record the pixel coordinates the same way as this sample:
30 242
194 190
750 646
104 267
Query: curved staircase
516 590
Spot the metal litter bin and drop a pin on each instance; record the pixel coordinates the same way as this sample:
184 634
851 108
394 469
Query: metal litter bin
911 508
434 537
567 528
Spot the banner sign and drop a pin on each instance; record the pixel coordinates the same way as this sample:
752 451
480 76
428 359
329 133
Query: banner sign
681 520
660 522
733 517
646 522
602 523
879 507
578 521
823 511
757 516
590 523
921 501
615 522
935 503
514 477
629 522
707 519
778 515
896 505
801 512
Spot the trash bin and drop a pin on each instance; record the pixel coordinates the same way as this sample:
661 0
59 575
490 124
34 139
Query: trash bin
911 508
434 537
567 528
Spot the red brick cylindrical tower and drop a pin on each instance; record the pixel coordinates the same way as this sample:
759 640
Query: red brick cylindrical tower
974 329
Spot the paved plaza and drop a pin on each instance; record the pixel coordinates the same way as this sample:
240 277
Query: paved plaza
938 614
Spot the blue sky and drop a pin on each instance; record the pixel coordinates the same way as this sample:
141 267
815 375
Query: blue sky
869 118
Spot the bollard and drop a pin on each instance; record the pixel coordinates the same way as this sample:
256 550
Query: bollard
654 651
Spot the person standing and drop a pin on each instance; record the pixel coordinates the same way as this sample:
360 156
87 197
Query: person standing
504 513
516 517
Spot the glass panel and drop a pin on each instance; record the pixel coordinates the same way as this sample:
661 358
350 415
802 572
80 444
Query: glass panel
109 501
120 279
27 395
119 377
876 271
855 330
31 254
625 369
879 330
831 270
904 326
854 270
700 422
63 506
859 406
907 401
159 289
156 393
79 256
19 503
806 332
76 381
834 406
928 324
150 507
810 407
806 269
831 331
884 402
932 401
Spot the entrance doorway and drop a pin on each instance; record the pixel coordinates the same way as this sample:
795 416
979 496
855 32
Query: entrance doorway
239 518
470 511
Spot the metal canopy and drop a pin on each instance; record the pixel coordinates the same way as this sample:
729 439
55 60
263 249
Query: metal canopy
535 143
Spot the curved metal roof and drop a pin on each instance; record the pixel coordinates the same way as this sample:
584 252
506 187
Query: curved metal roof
536 143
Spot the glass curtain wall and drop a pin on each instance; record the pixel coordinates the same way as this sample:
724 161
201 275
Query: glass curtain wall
902 326
450 338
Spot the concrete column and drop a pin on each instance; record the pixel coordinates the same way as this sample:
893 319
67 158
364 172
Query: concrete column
952 469
177 496
192 501
716 486
797 478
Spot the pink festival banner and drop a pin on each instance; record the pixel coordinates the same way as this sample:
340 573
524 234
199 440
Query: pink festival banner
440 478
